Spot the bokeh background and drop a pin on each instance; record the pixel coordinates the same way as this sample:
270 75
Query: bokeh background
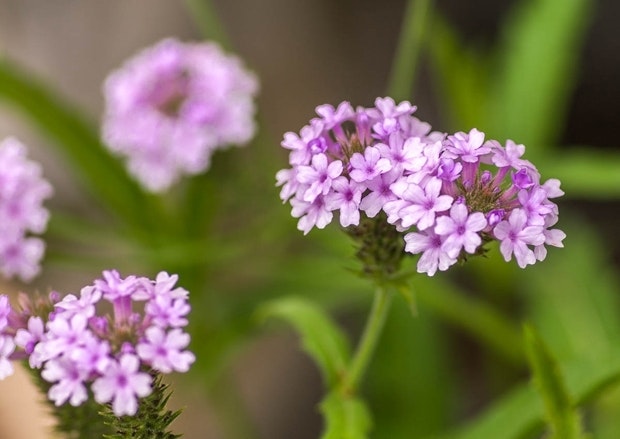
305 52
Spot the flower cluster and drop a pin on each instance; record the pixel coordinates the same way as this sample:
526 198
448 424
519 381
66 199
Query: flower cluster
448 194
172 105
22 192
116 354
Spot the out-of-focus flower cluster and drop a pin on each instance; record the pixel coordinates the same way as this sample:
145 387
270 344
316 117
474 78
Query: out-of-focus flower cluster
22 192
172 105
116 354
448 194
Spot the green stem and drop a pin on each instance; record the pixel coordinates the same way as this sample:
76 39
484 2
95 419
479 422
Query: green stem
368 342
408 49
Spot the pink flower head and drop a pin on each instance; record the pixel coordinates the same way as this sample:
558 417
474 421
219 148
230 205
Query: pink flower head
81 343
448 195
172 105
22 192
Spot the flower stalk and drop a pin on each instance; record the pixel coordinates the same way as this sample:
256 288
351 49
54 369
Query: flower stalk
368 342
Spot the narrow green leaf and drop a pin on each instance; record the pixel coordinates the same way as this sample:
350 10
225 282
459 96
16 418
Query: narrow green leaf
102 174
576 312
345 417
405 61
538 59
521 411
586 172
320 337
462 77
559 411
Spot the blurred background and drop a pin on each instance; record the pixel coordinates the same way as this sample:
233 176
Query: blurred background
309 52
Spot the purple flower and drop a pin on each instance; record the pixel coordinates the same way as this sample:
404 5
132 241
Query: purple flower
93 356
307 144
7 347
553 237
69 381
404 155
114 287
85 305
515 236
535 205
28 338
509 156
460 230
172 105
122 383
5 310
64 335
368 166
76 346
422 203
164 311
380 194
382 159
164 351
389 115
467 146
22 192
346 198
319 176
165 284
311 214
332 117
431 246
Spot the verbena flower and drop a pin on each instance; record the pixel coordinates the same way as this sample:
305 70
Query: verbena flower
448 195
116 355
22 192
169 107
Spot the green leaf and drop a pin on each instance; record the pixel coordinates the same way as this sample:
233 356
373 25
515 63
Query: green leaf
586 172
78 140
559 411
345 417
521 411
537 64
405 61
462 75
320 337
576 311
